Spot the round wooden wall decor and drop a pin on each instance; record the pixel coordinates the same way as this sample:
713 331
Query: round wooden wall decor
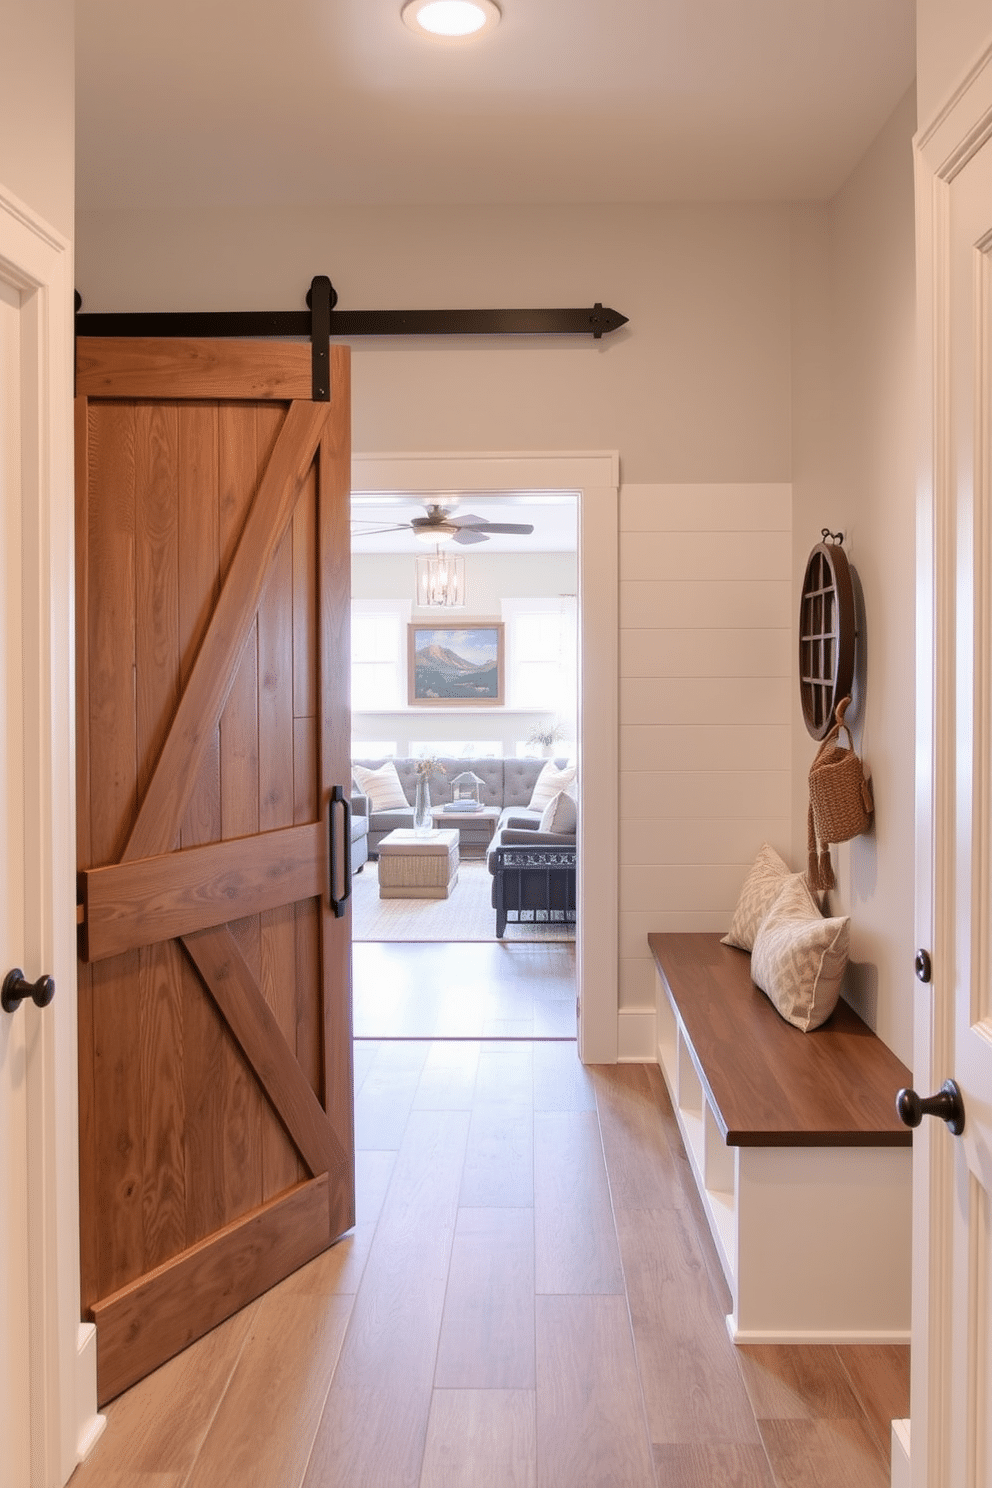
826 634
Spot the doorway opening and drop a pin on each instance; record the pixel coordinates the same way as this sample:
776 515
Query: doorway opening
595 478
427 961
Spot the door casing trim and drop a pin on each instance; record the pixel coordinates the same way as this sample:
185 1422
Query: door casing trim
595 478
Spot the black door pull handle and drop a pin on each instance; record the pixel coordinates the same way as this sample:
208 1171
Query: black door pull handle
947 1104
341 817
16 988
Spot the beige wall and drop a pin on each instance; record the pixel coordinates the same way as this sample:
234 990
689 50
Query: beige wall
37 97
854 471
731 374
695 388
950 36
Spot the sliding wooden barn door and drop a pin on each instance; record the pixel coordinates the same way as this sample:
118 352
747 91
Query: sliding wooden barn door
215 980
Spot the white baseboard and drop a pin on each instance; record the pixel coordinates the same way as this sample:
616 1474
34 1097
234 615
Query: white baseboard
900 1455
636 1037
89 1423
838 1337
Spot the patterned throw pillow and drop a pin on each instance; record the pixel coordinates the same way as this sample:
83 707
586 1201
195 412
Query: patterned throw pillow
382 787
551 780
799 958
559 815
762 885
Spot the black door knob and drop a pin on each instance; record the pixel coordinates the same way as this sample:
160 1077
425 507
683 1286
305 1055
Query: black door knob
947 1104
16 989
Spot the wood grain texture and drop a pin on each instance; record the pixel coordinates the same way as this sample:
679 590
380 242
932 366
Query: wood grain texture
141 1442
590 1423
642 1165
499 1159
692 1385
719 1466
169 1307
190 531
487 1330
879 1377
806 1454
392 1341
800 1382
575 1238
482 1438
132 904
200 708
236 992
160 367
280 1385
771 1084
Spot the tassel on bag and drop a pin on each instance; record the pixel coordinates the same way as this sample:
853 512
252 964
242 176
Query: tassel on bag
840 801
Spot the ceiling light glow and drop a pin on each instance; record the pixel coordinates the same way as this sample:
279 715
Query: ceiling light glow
450 19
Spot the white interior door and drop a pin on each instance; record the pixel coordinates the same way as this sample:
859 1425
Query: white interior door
952 1338
14 1413
48 1415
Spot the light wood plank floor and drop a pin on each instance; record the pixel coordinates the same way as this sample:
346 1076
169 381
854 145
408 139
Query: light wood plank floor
464 989
530 1298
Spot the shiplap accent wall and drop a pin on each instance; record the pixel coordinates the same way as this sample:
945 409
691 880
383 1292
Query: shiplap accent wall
706 698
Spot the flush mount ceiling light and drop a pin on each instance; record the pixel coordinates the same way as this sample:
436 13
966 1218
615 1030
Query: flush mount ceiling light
451 20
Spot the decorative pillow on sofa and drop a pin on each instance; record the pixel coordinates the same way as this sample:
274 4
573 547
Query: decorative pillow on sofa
551 780
799 958
559 815
763 883
382 787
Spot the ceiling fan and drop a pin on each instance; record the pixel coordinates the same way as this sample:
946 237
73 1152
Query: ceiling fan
441 524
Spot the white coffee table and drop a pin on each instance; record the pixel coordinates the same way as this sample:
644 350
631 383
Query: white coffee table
416 866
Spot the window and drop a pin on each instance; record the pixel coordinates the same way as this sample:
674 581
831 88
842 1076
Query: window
377 657
541 657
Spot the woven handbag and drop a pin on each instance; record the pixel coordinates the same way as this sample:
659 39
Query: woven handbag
840 800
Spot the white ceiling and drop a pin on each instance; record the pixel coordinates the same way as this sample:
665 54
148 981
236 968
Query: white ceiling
182 103
553 515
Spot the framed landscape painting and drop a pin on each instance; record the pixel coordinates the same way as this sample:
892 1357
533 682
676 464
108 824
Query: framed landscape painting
456 664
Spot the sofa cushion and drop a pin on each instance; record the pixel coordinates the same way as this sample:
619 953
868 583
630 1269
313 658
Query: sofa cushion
382 787
560 814
552 779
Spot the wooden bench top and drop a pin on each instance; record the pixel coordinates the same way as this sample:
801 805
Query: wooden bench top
771 1085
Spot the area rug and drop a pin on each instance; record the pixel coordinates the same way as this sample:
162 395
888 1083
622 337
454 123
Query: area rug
466 914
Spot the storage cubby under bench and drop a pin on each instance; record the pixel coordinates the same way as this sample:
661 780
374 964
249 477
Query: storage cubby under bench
802 1164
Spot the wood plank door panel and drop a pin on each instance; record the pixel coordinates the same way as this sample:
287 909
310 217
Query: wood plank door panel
215 982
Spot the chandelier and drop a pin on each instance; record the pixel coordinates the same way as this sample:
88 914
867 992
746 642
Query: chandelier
441 581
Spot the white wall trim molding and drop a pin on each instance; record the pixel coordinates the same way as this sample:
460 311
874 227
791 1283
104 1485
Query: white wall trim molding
638 1038
962 125
943 149
900 1459
595 477
37 262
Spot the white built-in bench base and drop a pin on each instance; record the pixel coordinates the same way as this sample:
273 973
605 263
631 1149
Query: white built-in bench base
802 1165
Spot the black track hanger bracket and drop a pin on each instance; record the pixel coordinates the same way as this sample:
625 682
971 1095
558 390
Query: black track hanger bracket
321 321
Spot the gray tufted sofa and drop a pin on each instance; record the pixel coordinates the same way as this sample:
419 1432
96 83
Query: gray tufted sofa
507 783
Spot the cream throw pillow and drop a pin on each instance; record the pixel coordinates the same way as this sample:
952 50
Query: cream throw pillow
549 783
799 958
382 787
763 883
559 815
